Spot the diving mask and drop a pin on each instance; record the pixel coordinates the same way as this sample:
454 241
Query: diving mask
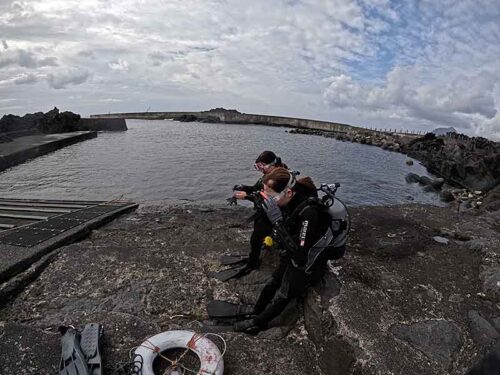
277 196
261 167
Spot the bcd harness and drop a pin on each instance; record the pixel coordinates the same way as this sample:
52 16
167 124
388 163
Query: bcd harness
334 237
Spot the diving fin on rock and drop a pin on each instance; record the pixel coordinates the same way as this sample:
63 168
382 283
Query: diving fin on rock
81 351
91 347
73 360
230 259
210 326
226 310
231 273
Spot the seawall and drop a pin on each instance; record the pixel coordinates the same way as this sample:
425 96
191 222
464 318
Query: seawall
30 147
101 124
232 117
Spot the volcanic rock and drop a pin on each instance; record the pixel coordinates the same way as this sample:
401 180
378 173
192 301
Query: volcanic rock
481 330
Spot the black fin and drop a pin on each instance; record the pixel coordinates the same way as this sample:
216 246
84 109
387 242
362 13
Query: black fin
73 361
227 260
231 273
222 309
91 347
216 327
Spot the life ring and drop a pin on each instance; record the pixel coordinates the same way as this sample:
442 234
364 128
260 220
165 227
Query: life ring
211 361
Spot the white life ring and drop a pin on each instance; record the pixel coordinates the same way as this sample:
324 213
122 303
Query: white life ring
211 361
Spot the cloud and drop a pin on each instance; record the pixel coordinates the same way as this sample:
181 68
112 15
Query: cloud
86 53
120 65
28 78
25 59
110 100
357 61
63 79
403 93
490 128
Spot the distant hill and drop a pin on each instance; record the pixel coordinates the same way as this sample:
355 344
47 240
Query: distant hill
444 131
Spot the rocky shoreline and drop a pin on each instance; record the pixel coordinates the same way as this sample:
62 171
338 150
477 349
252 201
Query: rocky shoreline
470 163
53 122
417 292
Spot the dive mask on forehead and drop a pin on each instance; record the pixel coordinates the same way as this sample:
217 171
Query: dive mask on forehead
289 186
263 167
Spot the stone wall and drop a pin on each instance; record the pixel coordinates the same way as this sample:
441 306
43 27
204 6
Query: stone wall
97 124
9 160
144 115
233 117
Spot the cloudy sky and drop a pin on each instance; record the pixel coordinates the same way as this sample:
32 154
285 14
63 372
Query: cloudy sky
374 63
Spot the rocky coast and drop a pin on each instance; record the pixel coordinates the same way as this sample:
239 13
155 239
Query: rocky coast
418 292
53 122
468 168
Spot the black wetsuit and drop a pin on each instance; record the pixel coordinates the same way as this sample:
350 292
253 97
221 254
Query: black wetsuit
261 225
296 235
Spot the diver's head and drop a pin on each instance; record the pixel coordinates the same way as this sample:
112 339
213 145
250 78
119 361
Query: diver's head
267 161
282 185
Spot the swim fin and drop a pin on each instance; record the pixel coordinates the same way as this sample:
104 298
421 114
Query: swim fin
225 310
73 361
231 273
230 259
81 351
210 326
91 347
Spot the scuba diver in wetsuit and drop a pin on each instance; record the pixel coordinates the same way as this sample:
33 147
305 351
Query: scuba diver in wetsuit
300 222
266 162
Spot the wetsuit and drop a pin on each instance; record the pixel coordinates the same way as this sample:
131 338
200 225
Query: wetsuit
261 224
298 232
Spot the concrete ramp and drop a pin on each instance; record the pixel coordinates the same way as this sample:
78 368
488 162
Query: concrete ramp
32 146
29 229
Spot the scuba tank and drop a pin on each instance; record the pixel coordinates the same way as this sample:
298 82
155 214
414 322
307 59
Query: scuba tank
338 229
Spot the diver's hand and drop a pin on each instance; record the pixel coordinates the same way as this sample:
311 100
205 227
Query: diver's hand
240 194
232 201
271 208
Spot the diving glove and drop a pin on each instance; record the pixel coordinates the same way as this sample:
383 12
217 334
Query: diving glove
271 209
232 201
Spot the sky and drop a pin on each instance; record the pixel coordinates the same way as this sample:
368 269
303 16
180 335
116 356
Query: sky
414 65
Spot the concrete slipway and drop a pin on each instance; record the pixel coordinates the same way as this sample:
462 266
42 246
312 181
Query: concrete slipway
32 230
29 147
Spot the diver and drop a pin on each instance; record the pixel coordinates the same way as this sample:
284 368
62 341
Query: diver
266 162
302 226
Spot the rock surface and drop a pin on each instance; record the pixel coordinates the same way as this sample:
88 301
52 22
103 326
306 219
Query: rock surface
398 302
473 163
47 123
52 122
438 339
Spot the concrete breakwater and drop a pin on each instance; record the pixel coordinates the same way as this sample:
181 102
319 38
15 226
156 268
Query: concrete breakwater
22 149
95 124
221 115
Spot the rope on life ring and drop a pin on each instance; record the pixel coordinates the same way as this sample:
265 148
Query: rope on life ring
211 359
